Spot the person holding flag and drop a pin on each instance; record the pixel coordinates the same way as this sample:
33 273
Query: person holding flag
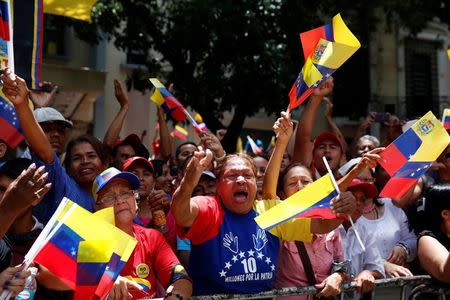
324 248
230 253
152 260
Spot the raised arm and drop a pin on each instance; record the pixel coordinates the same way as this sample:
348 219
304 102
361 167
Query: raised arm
362 130
368 161
332 124
113 132
183 208
211 141
166 141
303 147
17 92
28 189
283 131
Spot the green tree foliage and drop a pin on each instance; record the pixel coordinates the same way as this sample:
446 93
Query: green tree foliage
240 55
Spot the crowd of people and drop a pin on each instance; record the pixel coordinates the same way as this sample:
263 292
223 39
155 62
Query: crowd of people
192 212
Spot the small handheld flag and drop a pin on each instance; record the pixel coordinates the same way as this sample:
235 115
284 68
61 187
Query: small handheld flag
446 118
255 148
313 201
180 132
325 49
411 154
87 261
163 98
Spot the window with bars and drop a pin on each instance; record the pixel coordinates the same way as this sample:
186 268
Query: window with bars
421 74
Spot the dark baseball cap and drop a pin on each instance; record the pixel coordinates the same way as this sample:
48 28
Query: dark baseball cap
134 141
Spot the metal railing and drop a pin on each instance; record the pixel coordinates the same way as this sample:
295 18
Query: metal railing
414 287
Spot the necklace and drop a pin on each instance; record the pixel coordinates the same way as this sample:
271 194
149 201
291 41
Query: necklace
369 209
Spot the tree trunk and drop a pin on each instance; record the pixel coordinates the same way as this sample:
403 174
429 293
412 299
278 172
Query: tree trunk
234 129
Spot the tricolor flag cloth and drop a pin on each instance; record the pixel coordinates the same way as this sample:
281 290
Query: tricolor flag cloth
255 148
164 99
325 49
86 260
411 154
313 201
10 131
6 55
180 132
446 118
199 125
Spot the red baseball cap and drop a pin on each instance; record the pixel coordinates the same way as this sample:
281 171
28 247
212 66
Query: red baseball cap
137 159
134 141
328 135
369 188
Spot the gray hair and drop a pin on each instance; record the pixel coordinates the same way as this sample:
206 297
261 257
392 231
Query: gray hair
370 138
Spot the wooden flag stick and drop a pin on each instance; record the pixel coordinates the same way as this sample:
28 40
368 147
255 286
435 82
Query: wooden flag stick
339 192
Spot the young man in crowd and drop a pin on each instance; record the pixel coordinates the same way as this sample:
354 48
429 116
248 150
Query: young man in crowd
327 144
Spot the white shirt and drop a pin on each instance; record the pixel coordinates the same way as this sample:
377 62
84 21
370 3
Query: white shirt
369 259
391 229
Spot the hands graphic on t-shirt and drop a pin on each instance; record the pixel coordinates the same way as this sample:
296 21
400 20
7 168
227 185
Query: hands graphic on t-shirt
231 242
260 240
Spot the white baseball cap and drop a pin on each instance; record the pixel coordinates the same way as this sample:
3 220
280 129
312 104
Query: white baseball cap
49 114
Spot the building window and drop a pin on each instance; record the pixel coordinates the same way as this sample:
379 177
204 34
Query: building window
55 37
421 74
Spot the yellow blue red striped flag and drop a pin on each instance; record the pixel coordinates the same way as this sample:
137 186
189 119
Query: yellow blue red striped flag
325 49
313 201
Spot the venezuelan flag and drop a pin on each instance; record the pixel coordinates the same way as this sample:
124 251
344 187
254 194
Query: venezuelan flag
164 99
411 154
325 49
6 47
313 201
255 148
10 131
446 118
199 125
180 132
86 260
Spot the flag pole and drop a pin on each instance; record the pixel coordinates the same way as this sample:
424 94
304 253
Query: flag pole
193 122
339 192
10 45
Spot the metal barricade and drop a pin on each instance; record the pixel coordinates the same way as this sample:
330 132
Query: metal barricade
414 288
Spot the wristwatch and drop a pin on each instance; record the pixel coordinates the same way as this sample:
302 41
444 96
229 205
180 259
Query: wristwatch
344 267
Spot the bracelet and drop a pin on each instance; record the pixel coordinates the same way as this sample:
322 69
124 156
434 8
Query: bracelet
219 159
178 296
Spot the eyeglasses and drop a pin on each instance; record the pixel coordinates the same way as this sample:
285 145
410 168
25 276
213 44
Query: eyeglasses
111 199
